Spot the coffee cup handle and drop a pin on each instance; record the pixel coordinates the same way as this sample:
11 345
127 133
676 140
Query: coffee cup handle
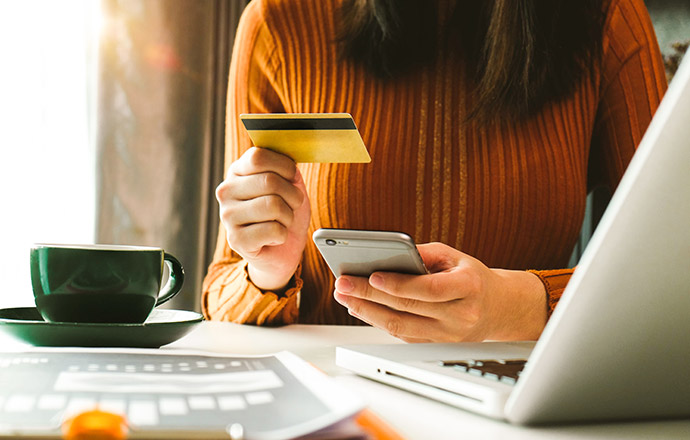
175 279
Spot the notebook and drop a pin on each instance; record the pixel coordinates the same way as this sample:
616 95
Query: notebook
618 344
172 394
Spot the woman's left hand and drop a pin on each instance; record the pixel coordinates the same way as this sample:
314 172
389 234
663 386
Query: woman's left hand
459 300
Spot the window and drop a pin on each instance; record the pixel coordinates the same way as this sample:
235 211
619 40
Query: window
47 172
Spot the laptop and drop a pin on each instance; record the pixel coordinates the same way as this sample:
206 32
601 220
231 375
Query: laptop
618 344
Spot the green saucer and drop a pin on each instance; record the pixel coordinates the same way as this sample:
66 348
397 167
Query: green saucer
163 326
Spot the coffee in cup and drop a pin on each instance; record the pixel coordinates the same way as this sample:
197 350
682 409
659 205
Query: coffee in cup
101 283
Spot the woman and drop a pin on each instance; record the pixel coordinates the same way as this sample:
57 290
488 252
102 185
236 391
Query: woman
486 123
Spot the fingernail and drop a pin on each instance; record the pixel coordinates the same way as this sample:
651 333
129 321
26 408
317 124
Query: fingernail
341 299
344 285
376 281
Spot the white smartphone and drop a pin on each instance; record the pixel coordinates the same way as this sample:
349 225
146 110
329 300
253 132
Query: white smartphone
360 253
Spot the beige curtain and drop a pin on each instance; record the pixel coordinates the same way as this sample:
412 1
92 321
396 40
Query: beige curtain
161 107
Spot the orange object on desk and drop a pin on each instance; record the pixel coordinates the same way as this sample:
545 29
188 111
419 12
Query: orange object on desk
95 425
376 428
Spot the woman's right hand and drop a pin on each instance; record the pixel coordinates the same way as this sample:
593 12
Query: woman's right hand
265 210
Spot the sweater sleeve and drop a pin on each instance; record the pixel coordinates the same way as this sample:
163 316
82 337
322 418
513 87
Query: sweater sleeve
229 295
632 83
254 86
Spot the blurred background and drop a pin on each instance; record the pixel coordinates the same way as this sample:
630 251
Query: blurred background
112 126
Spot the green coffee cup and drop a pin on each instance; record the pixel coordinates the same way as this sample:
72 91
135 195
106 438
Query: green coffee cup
101 283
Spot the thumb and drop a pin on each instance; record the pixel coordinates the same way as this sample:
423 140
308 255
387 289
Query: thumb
438 256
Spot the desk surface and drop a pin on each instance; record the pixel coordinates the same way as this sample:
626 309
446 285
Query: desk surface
412 416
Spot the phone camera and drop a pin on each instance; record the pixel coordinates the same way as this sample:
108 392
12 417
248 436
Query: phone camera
330 242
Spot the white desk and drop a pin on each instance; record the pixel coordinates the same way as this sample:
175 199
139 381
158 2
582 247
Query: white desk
412 416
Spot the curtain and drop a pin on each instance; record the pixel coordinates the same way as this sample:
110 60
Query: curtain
162 86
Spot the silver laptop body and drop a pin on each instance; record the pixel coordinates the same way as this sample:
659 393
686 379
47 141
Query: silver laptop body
618 344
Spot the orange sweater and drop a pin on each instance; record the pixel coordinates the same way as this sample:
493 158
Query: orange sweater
511 194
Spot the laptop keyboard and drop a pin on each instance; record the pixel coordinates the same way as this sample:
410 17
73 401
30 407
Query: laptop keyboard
501 370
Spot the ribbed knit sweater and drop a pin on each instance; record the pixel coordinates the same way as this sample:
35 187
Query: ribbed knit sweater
510 193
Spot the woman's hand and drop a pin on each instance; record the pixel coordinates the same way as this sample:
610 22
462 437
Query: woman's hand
265 210
460 300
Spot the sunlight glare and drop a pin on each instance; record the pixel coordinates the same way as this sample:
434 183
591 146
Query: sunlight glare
46 117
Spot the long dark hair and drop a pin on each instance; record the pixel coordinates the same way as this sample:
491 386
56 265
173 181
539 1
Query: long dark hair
521 54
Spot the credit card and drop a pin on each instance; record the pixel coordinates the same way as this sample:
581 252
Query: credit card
308 137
